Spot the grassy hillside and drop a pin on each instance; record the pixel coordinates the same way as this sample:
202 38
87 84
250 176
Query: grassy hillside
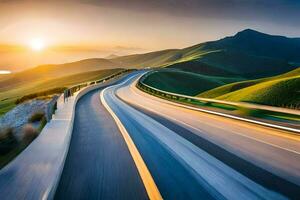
195 66
282 90
248 66
216 92
244 56
152 59
187 83
47 72
8 97
249 54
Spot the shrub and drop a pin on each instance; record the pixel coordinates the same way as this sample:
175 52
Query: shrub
54 108
29 133
42 124
249 112
39 94
36 117
8 141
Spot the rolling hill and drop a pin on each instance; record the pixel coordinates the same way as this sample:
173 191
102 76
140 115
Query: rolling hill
8 97
47 72
282 90
187 83
249 54
152 59
255 43
260 61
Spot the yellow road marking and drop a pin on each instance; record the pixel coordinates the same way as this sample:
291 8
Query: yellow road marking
151 188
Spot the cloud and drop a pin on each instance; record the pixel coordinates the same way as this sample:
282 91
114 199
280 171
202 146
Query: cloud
277 11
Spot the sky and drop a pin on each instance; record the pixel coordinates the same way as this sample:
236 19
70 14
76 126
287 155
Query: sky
77 29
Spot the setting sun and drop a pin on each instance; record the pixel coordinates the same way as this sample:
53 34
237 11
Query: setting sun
37 44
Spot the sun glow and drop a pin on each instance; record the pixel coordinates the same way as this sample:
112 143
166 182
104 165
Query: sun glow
37 44
4 72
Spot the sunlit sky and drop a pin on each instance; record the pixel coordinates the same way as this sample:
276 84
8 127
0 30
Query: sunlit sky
38 32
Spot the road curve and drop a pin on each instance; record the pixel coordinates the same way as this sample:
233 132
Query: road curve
193 155
98 164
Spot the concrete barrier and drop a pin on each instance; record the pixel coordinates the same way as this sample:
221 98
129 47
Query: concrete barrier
35 173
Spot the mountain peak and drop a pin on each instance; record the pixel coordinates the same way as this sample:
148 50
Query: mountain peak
249 32
111 56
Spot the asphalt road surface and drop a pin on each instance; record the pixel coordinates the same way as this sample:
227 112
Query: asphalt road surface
98 164
190 155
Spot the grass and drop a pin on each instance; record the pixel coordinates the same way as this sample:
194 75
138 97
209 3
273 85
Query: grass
10 147
6 106
232 54
183 82
43 123
245 65
40 94
6 158
230 109
227 60
49 72
7 141
196 66
8 97
282 91
36 117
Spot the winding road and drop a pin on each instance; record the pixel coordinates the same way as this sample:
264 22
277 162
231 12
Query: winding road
127 144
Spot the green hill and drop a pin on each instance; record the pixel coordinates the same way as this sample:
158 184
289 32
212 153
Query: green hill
152 59
47 72
282 90
255 43
249 54
8 97
187 83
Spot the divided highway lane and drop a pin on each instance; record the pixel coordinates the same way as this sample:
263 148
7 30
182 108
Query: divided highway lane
270 149
98 164
180 167
266 156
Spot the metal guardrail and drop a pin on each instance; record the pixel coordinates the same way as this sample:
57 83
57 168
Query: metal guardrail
207 100
70 91
50 110
197 101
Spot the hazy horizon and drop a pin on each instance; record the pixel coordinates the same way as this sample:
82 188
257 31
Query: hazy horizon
75 30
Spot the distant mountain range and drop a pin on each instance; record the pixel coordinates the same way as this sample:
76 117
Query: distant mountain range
260 44
248 54
111 56
213 69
